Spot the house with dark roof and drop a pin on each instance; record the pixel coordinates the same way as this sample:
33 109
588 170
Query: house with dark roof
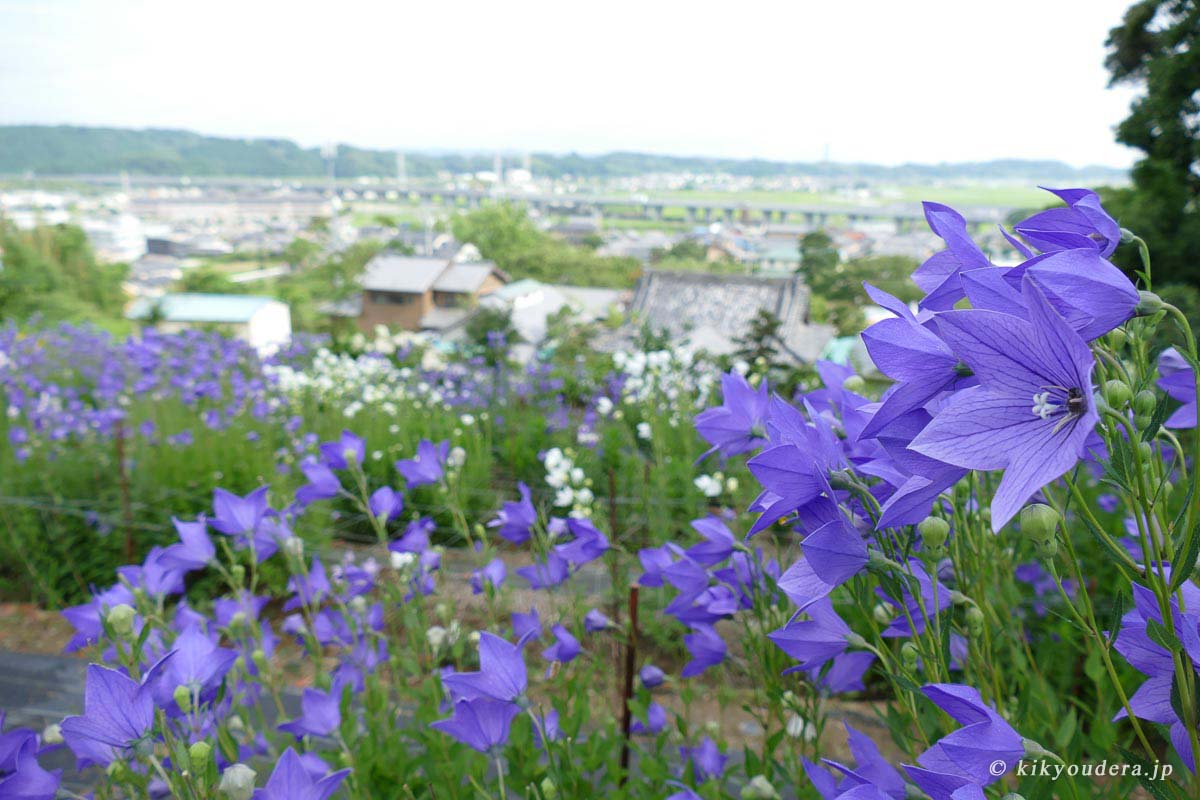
704 311
420 294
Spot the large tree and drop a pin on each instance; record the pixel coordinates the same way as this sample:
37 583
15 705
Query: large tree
1157 46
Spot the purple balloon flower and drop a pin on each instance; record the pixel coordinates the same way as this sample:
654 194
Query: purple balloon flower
118 713
238 516
491 574
1031 413
565 648
595 621
342 452
26 780
292 780
501 674
706 647
386 503
320 713
516 519
651 676
707 760
193 551
480 723
970 754
1083 223
735 426
427 466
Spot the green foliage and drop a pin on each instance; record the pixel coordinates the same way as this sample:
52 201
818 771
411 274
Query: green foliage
334 279
206 280
51 271
301 253
484 325
505 234
1157 46
838 298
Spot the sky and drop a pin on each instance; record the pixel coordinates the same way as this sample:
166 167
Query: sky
881 81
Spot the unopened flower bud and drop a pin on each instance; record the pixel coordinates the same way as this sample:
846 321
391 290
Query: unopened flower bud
238 620
118 771
855 384
549 789
1127 236
909 655
52 734
974 620
1146 450
120 619
183 698
882 614
1039 522
1145 402
237 782
1148 303
199 753
239 574
1116 393
759 788
259 658
934 531
1118 338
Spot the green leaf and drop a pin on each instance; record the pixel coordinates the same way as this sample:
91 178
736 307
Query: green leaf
1113 625
1183 560
1158 633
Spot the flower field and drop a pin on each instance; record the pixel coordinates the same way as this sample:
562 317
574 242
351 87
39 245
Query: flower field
381 571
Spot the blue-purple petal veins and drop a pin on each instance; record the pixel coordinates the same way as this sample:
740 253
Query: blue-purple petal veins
118 714
1033 409
871 778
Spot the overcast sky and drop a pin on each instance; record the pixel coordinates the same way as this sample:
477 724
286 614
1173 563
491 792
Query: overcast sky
883 81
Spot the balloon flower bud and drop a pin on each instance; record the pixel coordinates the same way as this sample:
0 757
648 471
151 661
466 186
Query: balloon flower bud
1039 522
120 619
934 531
183 698
1148 303
1144 402
974 620
855 384
909 655
1118 338
199 753
1116 393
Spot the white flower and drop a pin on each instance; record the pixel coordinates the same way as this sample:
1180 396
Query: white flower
731 484
436 636
577 475
584 496
457 457
401 561
799 728
643 430
708 485
564 496
237 782
467 419
604 406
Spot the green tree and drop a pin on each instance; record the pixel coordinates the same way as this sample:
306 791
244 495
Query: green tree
301 253
206 280
505 234
1157 46
818 258
52 271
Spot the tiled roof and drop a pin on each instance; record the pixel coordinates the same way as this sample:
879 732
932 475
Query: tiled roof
392 273
719 309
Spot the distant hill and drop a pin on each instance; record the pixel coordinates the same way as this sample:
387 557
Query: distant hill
71 150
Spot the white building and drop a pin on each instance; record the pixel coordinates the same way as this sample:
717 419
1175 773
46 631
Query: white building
262 322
